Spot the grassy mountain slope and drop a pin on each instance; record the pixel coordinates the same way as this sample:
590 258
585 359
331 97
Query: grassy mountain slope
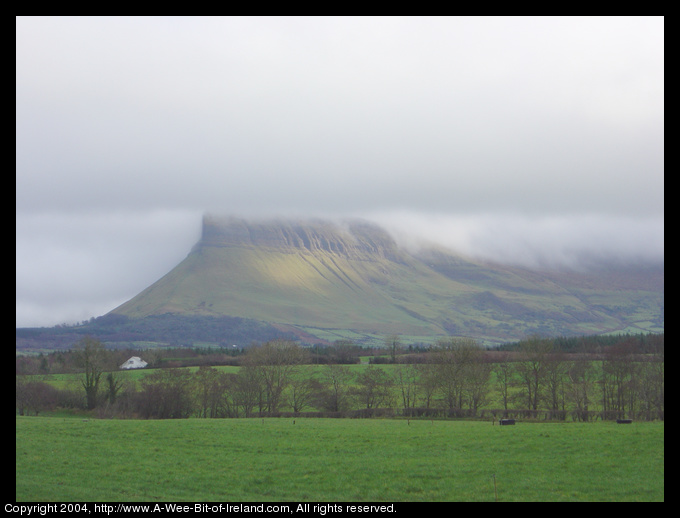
325 279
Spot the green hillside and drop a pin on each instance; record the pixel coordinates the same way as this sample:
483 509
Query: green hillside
328 279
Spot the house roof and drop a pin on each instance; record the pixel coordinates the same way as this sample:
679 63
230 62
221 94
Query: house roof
135 362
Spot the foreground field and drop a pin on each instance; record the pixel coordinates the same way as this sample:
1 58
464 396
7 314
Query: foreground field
331 460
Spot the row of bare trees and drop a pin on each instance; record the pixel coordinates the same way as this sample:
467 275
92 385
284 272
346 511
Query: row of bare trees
458 379
618 382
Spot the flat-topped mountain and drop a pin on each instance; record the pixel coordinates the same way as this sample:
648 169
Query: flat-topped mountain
352 280
354 239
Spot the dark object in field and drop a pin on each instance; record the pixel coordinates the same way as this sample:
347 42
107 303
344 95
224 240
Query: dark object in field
624 421
506 421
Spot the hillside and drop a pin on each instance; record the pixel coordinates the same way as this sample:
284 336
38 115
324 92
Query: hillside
352 280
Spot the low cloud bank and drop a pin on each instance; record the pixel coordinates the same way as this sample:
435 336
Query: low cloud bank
566 241
71 267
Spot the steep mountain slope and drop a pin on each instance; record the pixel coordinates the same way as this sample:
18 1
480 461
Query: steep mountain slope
328 280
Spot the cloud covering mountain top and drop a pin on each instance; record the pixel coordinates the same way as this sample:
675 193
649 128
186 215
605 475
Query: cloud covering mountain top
530 139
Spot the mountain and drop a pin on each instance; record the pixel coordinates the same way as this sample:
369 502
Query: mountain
323 280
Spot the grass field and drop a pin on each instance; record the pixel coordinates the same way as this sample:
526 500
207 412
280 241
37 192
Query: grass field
335 460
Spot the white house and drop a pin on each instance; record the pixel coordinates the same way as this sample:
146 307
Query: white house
134 362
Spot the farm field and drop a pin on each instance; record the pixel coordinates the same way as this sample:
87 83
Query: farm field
73 382
335 460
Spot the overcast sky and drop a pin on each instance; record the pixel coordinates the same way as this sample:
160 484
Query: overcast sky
531 140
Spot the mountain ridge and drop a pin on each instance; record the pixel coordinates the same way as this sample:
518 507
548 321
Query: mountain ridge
331 279
353 237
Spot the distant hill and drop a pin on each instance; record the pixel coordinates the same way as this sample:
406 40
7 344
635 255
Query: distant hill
323 281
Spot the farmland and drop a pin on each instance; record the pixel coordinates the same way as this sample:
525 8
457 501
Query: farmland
281 425
456 379
333 460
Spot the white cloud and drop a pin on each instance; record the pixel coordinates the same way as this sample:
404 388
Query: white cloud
564 241
542 119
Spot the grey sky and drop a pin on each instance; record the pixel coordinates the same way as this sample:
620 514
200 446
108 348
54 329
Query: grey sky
526 139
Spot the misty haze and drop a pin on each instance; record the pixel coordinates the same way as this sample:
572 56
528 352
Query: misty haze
531 141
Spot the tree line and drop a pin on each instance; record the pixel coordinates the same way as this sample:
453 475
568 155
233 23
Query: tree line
454 378
121 331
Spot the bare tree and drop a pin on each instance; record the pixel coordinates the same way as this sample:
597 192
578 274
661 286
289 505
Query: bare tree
503 371
555 374
651 387
428 382
582 379
274 365
245 392
459 376
113 386
22 394
476 388
34 396
532 369
393 344
300 392
167 394
619 380
407 380
90 357
374 387
336 380
212 392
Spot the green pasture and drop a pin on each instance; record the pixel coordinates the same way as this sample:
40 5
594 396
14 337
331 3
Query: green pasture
333 460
